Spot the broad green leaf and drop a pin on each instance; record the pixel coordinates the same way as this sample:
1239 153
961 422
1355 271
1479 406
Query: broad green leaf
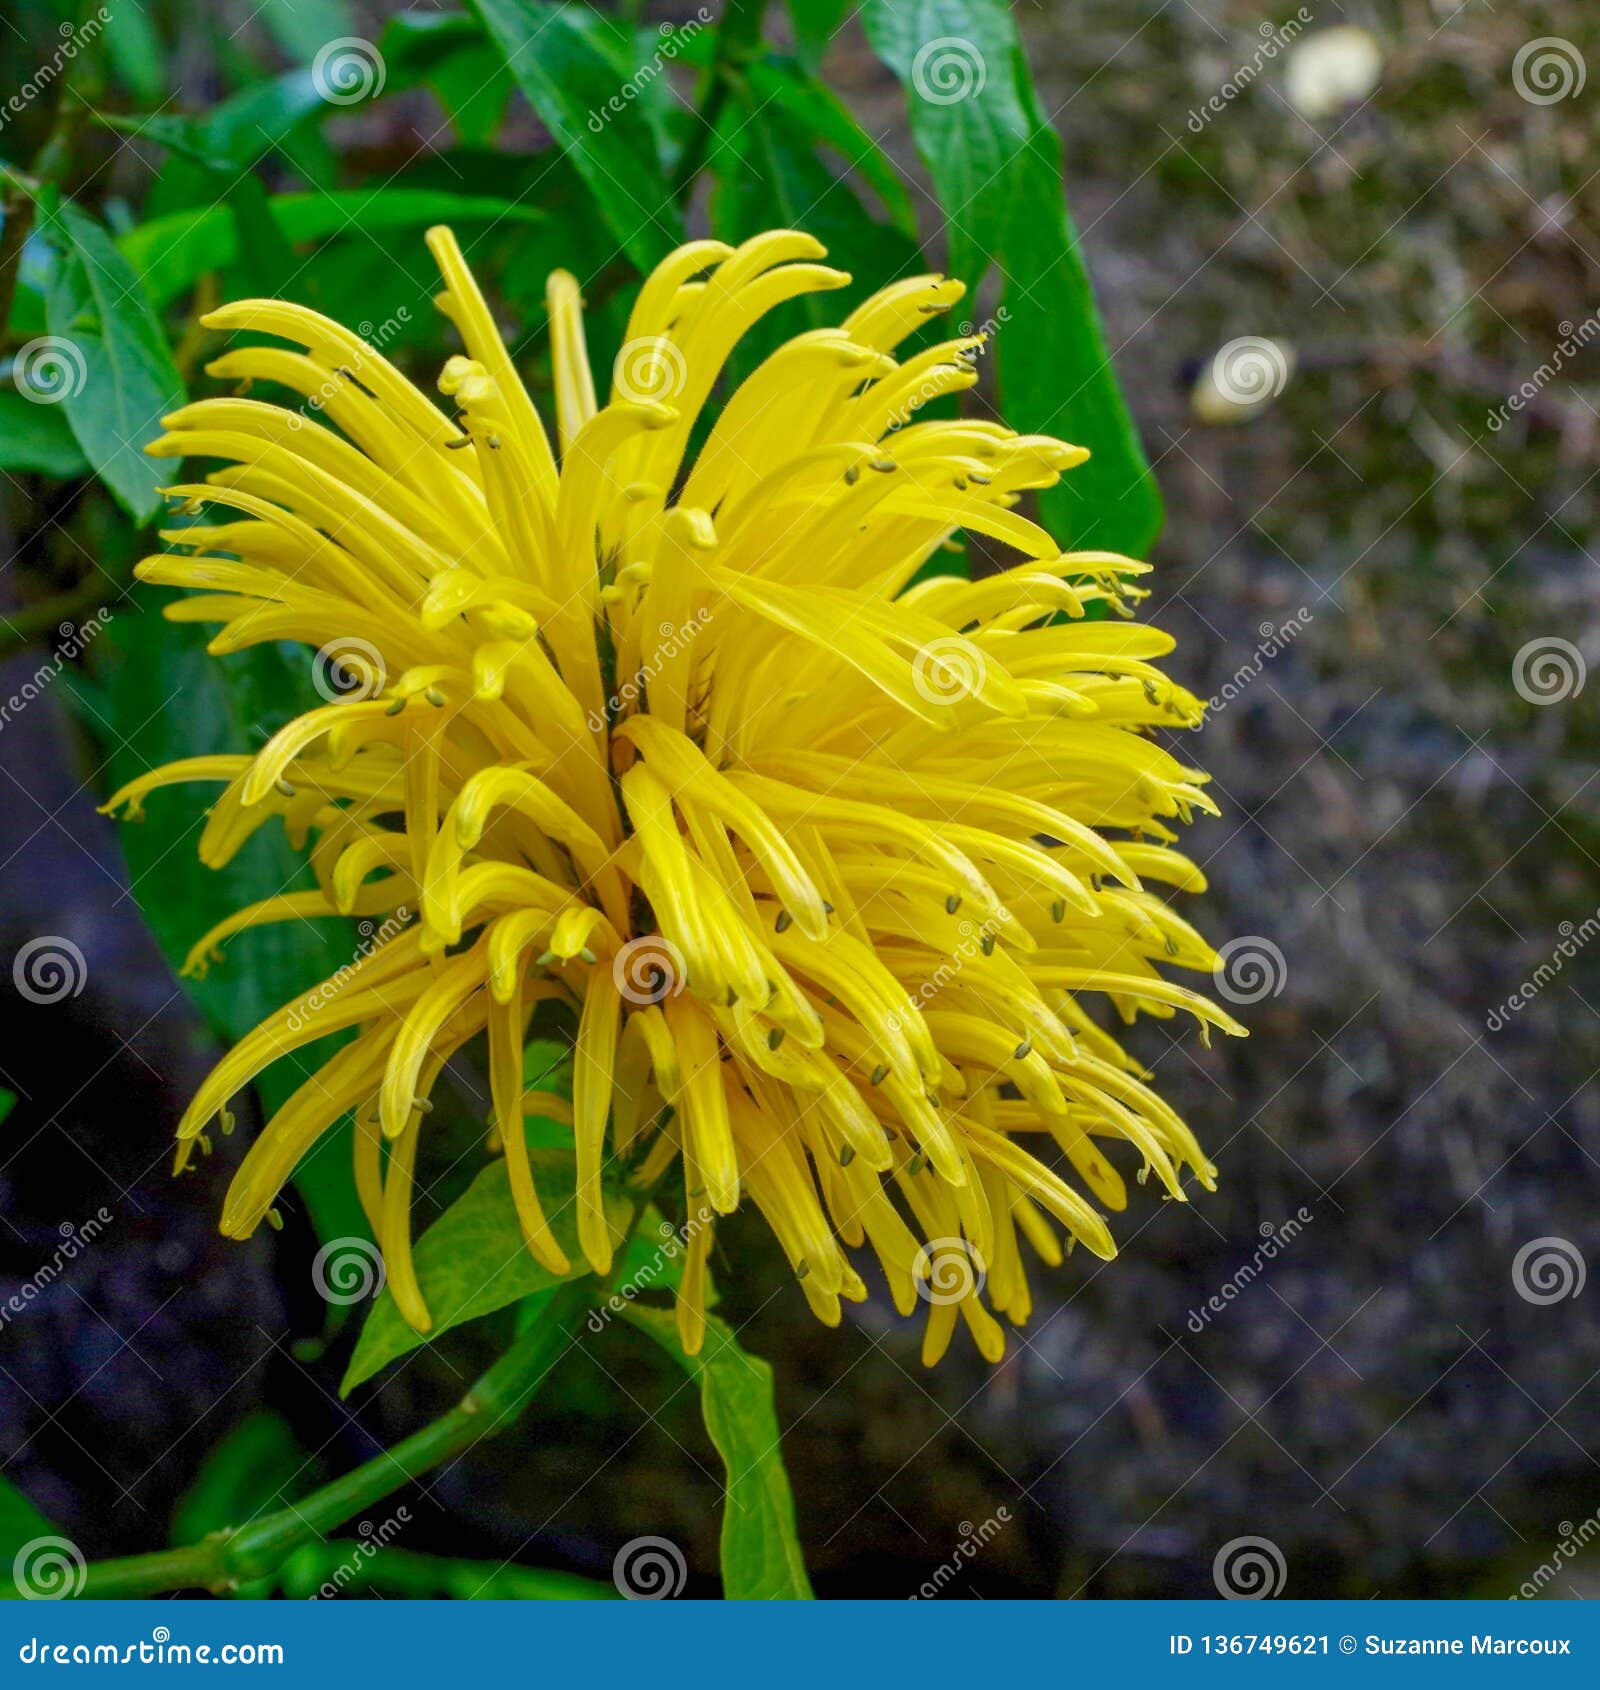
815 107
256 1466
578 71
996 167
767 174
167 699
38 438
761 1555
449 53
20 1523
96 305
134 49
302 27
1056 375
173 252
473 1260
816 22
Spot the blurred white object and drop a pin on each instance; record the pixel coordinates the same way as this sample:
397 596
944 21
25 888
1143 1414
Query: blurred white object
1332 69
1241 380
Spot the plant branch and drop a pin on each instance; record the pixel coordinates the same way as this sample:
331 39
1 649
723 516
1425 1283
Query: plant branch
259 1549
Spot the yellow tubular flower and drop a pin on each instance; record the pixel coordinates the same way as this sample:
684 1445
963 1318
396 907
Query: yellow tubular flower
821 863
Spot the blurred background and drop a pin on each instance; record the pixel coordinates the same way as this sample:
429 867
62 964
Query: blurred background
1348 257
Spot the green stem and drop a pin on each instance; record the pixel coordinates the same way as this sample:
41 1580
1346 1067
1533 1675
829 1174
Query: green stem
738 39
260 1548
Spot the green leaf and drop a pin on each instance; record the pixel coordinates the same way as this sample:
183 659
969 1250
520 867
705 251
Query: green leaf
8 1102
258 1465
761 1556
767 174
449 53
817 110
167 699
578 71
473 1260
20 1522
301 27
134 49
38 439
996 167
96 304
173 252
816 22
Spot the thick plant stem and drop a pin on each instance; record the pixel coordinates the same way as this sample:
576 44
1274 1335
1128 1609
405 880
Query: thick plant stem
260 1548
